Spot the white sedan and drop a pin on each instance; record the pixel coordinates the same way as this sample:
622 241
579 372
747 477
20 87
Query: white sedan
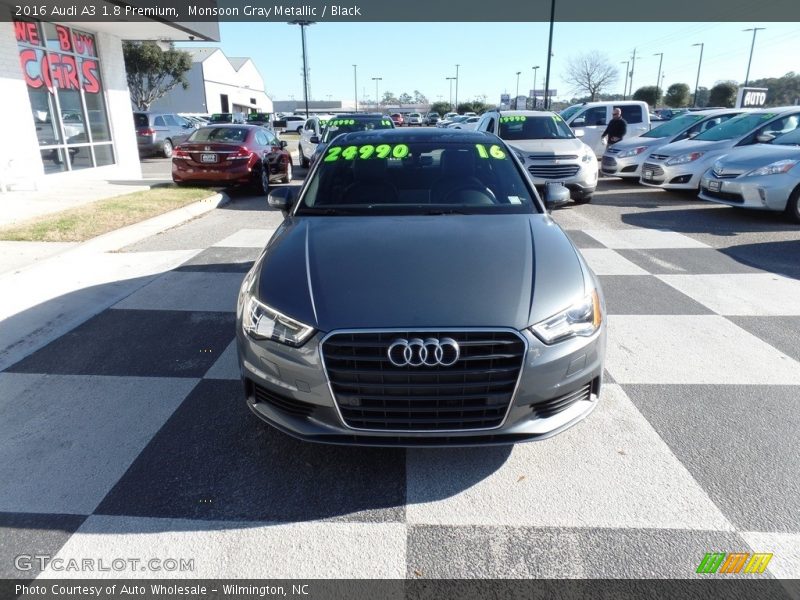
465 123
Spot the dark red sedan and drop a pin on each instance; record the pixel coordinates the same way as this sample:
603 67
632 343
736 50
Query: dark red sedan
232 155
398 120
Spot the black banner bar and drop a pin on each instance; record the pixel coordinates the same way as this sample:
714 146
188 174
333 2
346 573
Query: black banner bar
711 11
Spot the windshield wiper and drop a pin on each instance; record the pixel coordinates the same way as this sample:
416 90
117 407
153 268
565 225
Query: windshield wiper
309 210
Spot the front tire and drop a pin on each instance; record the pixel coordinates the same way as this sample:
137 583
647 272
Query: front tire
583 199
793 206
264 180
166 149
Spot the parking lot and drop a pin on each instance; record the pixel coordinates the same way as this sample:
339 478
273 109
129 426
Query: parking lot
129 435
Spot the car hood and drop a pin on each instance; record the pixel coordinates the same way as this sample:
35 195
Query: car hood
420 271
752 157
686 146
549 146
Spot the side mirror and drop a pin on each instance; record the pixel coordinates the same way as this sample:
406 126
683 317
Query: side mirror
693 134
765 138
555 195
579 133
281 198
314 139
284 143
579 122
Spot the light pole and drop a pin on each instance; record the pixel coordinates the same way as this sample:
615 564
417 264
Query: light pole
451 80
355 84
658 77
456 108
303 25
516 98
536 68
549 56
699 64
625 87
754 30
376 80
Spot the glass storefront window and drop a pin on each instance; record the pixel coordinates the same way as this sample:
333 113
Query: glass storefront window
62 70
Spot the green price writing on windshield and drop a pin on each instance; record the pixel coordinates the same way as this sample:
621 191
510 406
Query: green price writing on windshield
493 152
517 119
366 151
387 123
340 122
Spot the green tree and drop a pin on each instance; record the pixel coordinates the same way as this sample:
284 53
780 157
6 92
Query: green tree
702 96
388 98
153 72
419 98
723 94
404 99
440 107
782 91
677 95
650 94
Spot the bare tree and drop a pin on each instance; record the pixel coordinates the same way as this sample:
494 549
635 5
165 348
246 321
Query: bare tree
590 73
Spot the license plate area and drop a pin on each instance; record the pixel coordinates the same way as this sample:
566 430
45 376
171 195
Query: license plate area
714 186
208 158
647 174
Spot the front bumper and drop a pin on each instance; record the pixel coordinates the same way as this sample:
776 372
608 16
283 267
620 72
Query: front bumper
672 177
289 389
628 168
765 192
581 185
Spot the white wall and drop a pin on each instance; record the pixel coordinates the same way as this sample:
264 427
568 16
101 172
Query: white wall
189 100
19 132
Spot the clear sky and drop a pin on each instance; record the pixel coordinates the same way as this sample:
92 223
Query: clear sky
419 56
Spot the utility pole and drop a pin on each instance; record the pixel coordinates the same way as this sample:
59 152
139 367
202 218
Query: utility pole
303 25
549 56
355 84
456 108
627 64
658 77
451 80
754 30
633 66
516 98
377 99
535 69
699 64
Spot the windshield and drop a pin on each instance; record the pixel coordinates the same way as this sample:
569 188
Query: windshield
734 128
568 112
140 119
219 134
545 127
339 126
673 127
788 139
221 118
416 178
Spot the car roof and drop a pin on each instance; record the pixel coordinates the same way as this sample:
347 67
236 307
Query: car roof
776 109
416 134
525 113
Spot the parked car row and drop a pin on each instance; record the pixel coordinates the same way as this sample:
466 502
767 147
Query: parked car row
739 157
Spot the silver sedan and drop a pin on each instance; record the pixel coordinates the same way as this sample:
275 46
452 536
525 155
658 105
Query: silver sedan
765 177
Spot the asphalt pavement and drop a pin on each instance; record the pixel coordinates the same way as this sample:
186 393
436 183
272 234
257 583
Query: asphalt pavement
128 435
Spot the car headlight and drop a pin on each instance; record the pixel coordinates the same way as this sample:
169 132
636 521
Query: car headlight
261 322
718 166
581 319
685 158
632 152
775 168
588 157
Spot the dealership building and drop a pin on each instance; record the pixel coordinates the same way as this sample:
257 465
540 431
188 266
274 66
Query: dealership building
65 96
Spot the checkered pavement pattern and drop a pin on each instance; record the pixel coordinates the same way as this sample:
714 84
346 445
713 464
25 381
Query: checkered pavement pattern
129 437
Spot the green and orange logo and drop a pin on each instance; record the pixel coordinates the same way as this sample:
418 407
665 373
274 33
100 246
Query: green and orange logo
734 562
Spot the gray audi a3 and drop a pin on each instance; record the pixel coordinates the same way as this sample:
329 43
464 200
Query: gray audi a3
418 293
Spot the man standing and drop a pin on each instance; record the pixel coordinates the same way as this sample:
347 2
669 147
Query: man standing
616 129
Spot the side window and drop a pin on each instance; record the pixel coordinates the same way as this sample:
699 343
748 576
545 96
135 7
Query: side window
781 126
261 139
271 139
632 113
159 122
490 125
173 120
310 125
593 116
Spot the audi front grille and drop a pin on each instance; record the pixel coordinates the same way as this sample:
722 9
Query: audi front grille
554 171
474 393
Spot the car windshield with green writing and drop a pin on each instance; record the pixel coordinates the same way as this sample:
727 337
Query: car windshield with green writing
526 127
385 175
339 126
673 126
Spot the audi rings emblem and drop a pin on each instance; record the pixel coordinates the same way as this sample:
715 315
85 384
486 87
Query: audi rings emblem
430 352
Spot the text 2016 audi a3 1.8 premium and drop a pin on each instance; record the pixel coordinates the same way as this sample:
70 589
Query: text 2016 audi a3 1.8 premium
418 293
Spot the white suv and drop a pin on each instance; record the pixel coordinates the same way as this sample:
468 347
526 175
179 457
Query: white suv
547 147
313 128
